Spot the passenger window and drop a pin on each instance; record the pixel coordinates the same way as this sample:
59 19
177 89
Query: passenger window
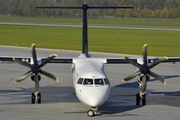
99 82
80 81
106 81
88 81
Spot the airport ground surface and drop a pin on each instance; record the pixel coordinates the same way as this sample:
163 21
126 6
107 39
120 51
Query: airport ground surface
60 102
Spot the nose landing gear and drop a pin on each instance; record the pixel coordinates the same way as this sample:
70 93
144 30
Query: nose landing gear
92 112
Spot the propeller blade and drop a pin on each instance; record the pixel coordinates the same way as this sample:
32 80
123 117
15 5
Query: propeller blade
49 75
158 77
23 77
34 56
131 76
158 61
22 62
132 62
144 84
47 60
144 53
36 84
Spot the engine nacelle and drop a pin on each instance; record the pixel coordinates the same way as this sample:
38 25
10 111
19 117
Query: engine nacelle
32 77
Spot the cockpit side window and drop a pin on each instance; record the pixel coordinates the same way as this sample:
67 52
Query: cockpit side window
106 81
88 81
99 81
80 81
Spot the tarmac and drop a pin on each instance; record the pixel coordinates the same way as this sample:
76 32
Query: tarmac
60 102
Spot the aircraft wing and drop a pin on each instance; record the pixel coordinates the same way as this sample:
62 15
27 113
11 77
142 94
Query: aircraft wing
60 60
150 60
117 61
112 60
10 58
170 59
28 59
173 59
107 60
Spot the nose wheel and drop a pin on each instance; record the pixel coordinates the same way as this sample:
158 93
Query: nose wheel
34 97
90 113
138 98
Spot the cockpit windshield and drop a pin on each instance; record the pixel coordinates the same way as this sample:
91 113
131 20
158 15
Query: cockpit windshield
99 81
89 81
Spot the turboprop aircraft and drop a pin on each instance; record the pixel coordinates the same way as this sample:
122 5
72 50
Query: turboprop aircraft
90 81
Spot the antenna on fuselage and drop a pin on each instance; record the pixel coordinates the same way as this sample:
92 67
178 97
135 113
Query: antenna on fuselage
85 7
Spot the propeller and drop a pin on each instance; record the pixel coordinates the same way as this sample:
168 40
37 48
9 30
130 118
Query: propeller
144 69
35 69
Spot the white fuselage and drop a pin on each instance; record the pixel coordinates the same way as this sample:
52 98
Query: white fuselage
91 70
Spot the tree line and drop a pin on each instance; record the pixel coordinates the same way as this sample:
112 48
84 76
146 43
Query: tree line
142 8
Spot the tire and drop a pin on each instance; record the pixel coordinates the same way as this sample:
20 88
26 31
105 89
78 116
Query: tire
137 99
90 113
39 98
144 99
33 97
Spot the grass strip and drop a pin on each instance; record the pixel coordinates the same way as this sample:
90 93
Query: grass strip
125 41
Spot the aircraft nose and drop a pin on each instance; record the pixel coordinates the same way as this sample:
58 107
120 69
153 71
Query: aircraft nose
98 97
94 101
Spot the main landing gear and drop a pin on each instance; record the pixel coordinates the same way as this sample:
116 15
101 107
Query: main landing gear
138 98
92 112
34 97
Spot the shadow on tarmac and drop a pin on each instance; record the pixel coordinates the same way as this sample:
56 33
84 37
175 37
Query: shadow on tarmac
122 97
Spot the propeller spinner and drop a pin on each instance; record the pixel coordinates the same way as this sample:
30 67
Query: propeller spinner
144 69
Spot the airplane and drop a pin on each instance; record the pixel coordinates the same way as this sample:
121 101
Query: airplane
91 84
